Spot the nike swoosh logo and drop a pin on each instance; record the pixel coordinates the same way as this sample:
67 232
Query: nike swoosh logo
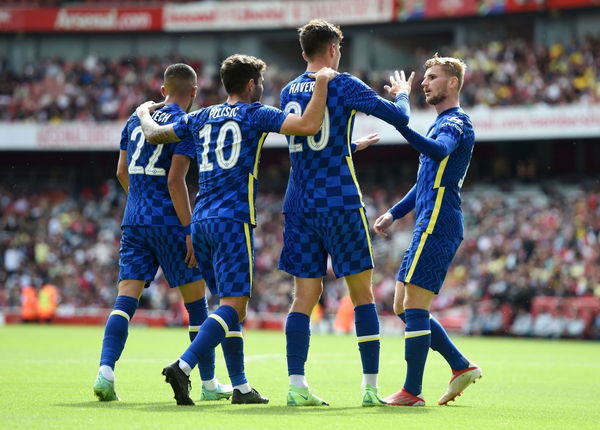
303 396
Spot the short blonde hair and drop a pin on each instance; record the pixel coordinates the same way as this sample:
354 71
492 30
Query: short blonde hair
452 66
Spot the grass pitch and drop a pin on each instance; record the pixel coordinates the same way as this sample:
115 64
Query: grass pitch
47 372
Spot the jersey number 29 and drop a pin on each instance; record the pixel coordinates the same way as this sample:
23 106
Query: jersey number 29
314 144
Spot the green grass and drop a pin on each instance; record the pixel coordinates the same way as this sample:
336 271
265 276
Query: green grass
46 375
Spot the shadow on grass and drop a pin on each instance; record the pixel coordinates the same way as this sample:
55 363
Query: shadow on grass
256 410
322 411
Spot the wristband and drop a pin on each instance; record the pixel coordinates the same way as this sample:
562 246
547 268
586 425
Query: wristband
187 229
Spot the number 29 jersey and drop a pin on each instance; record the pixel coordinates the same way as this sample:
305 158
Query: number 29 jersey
322 176
148 199
228 140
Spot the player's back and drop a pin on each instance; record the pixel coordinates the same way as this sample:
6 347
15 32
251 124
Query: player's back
148 199
438 182
228 142
322 175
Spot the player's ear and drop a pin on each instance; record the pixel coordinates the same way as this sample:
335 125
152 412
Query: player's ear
163 91
250 85
304 56
453 82
194 92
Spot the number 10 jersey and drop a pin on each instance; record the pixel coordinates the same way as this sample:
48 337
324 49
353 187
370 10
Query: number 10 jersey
228 140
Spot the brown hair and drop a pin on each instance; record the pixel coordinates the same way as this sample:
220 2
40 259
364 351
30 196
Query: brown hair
179 78
238 69
317 34
452 66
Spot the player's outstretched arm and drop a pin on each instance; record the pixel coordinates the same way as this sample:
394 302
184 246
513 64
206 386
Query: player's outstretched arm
181 201
122 173
397 113
436 149
155 134
310 122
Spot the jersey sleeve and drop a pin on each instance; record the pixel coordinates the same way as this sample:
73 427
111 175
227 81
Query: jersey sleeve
182 127
268 118
358 95
124 138
185 147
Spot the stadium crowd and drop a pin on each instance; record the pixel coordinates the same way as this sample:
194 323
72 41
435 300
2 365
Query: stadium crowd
501 73
513 254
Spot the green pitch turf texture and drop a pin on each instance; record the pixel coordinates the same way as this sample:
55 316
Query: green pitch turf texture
47 372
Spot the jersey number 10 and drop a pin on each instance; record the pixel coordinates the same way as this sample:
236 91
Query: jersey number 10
224 163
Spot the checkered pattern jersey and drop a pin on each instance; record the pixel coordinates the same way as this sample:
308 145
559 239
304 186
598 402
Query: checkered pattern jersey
148 199
437 206
322 176
228 140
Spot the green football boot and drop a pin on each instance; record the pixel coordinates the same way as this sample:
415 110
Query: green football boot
105 389
223 391
370 397
303 397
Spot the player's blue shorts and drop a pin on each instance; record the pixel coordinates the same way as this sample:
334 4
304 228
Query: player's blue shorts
427 259
224 250
144 248
309 236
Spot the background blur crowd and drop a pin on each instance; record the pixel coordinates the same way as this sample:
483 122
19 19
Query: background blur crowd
529 264
501 73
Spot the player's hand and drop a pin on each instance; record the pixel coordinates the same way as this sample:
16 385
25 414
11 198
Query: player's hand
399 83
382 223
149 107
190 258
366 141
325 73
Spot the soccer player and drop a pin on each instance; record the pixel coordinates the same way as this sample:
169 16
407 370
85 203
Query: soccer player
324 212
156 232
228 139
445 155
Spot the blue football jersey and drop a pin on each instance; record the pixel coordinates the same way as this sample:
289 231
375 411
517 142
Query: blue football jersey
228 140
148 199
322 176
437 207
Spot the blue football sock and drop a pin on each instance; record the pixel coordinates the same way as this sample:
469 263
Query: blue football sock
367 331
116 330
198 312
441 343
211 333
233 351
417 339
297 335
